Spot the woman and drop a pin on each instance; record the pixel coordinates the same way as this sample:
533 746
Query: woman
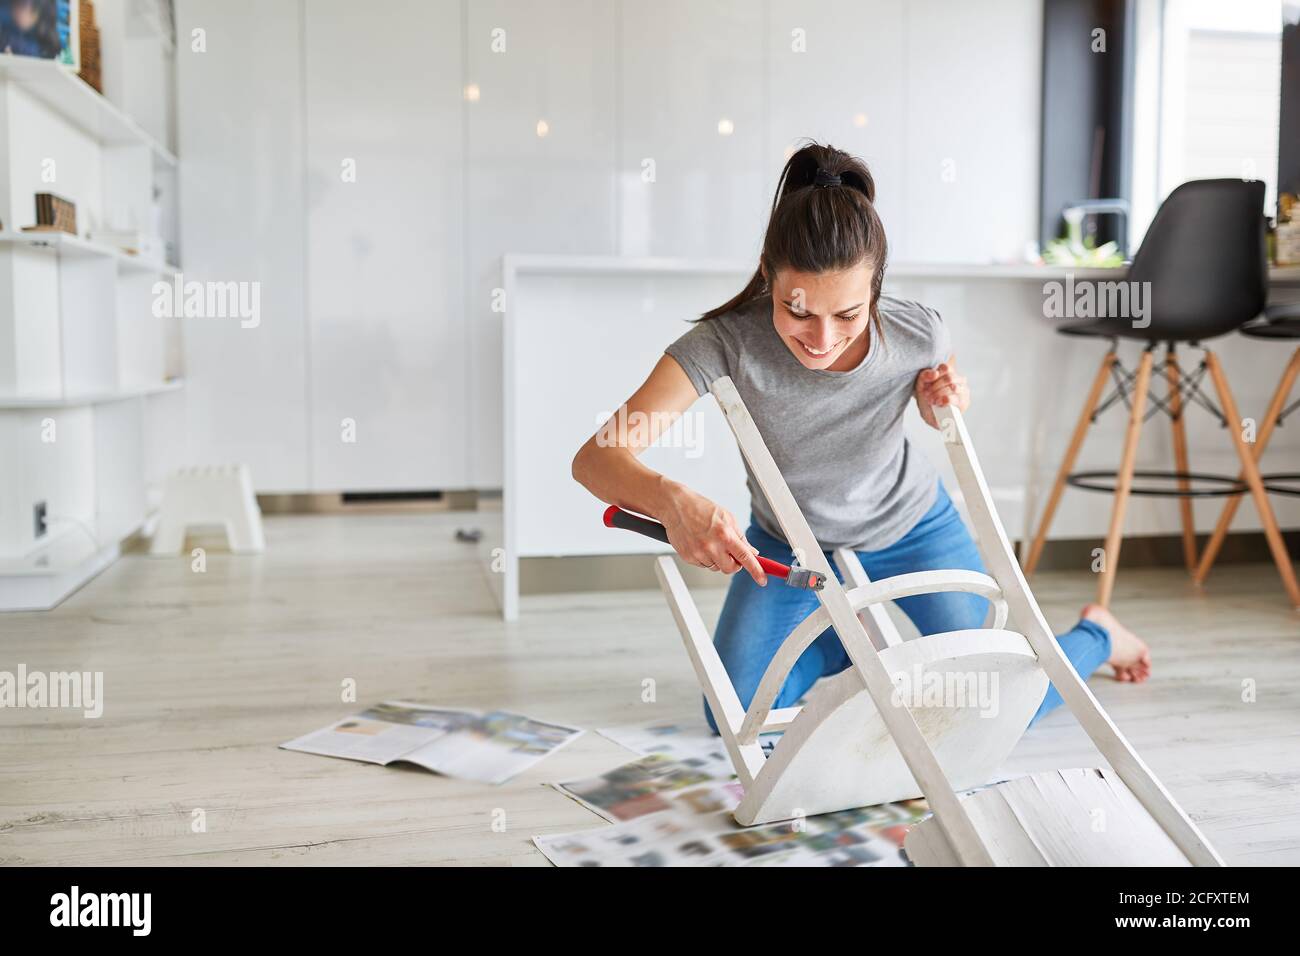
826 366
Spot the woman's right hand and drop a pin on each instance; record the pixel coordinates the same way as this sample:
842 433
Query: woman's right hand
706 535
701 532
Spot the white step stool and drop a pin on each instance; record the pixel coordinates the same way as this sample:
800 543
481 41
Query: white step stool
209 496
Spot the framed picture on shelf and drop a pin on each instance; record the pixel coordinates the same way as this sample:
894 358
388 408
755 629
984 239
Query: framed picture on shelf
47 29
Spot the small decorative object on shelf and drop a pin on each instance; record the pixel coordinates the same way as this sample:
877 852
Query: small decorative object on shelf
1286 237
41 28
131 242
54 214
89 46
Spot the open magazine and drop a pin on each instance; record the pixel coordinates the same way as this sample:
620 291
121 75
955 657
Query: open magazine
488 747
666 812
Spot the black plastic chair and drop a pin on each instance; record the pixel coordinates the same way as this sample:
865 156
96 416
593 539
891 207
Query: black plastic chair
1204 272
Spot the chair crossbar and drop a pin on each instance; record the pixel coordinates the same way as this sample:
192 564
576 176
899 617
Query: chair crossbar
780 719
1189 391
1282 415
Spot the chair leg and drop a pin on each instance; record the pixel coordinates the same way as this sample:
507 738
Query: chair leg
1250 474
874 617
1124 480
1180 458
1067 463
1266 427
747 759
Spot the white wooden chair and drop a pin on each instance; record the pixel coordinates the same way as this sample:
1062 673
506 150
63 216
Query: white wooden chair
857 743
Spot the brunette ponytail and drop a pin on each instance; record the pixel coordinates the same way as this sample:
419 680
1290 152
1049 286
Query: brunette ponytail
823 220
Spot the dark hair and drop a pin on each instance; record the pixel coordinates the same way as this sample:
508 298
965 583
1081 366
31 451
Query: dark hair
45 33
823 220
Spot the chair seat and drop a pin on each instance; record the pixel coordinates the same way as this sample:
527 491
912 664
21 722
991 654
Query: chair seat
1094 328
1282 311
1281 321
1154 332
838 753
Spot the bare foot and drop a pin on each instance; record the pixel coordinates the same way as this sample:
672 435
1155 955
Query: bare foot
1129 654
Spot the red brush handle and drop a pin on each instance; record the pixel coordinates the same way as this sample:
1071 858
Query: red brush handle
616 517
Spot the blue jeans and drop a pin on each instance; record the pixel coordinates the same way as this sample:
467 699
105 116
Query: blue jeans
755 621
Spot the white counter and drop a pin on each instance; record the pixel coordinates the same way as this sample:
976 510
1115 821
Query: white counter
581 332
523 264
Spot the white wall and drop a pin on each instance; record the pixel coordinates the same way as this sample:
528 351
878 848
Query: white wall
382 291
525 192
385 262
244 218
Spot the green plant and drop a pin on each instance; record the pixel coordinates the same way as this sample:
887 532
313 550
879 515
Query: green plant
1063 252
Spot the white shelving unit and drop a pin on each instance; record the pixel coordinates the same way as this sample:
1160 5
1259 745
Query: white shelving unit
92 399
65 94
65 244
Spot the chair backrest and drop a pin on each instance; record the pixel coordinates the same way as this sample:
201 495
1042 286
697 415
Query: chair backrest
1204 259
967 845
1028 619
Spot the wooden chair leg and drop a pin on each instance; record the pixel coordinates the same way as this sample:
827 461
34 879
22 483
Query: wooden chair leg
1180 458
1266 427
1067 463
1124 480
1250 474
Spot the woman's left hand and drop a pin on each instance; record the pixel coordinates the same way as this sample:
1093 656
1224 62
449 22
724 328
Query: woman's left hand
942 385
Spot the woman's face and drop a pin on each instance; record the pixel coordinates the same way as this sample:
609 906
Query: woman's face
24 14
823 317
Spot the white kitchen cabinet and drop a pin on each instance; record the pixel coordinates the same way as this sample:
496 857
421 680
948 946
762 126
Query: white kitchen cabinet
385 235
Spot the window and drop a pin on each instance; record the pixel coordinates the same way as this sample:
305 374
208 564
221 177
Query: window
1221 85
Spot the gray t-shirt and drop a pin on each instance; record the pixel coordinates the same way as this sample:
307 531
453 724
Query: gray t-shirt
836 436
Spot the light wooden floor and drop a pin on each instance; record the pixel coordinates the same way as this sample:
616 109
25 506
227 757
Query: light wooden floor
206 673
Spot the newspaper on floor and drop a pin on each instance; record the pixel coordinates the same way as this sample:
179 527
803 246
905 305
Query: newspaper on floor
488 747
691 825
689 742
639 788
672 807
